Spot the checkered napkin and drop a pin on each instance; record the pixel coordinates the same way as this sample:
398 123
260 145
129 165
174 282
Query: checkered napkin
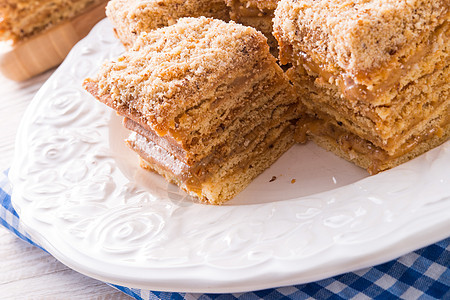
422 274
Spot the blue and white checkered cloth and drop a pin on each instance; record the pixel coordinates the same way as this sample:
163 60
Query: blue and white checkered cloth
422 274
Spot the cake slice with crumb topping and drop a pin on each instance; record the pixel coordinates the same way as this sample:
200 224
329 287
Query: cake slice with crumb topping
131 17
373 74
207 104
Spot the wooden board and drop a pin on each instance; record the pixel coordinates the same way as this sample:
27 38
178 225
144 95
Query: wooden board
49 48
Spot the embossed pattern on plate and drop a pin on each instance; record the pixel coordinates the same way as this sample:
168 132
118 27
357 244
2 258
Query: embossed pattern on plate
81 195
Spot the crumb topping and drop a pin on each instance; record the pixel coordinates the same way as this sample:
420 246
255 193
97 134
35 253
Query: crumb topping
357 35
131 17
174 68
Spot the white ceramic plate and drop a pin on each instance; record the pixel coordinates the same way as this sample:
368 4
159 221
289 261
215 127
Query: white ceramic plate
80 193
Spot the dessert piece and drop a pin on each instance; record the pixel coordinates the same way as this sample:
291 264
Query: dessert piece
257 14
131 17
20 19
207 104
374 75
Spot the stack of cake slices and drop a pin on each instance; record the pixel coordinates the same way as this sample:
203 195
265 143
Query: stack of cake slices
207 104
210 109
374 75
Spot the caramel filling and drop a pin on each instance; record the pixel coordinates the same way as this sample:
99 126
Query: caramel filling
346 141
166 142
160 160
250 137
192 176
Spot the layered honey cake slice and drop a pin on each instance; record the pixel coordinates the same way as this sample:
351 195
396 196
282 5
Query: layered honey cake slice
131 17
21 19
373 74
257 14
207 104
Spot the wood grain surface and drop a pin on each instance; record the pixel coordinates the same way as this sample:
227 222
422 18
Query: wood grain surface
27 272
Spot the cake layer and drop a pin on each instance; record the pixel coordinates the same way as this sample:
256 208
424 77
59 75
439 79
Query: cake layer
240 133
234 177
166 142
329 133
386 126
247 131
217 181
249 90
217 159
265 100
132 17
20 19
364 41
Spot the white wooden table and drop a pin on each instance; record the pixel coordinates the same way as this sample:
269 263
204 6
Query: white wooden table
27 272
